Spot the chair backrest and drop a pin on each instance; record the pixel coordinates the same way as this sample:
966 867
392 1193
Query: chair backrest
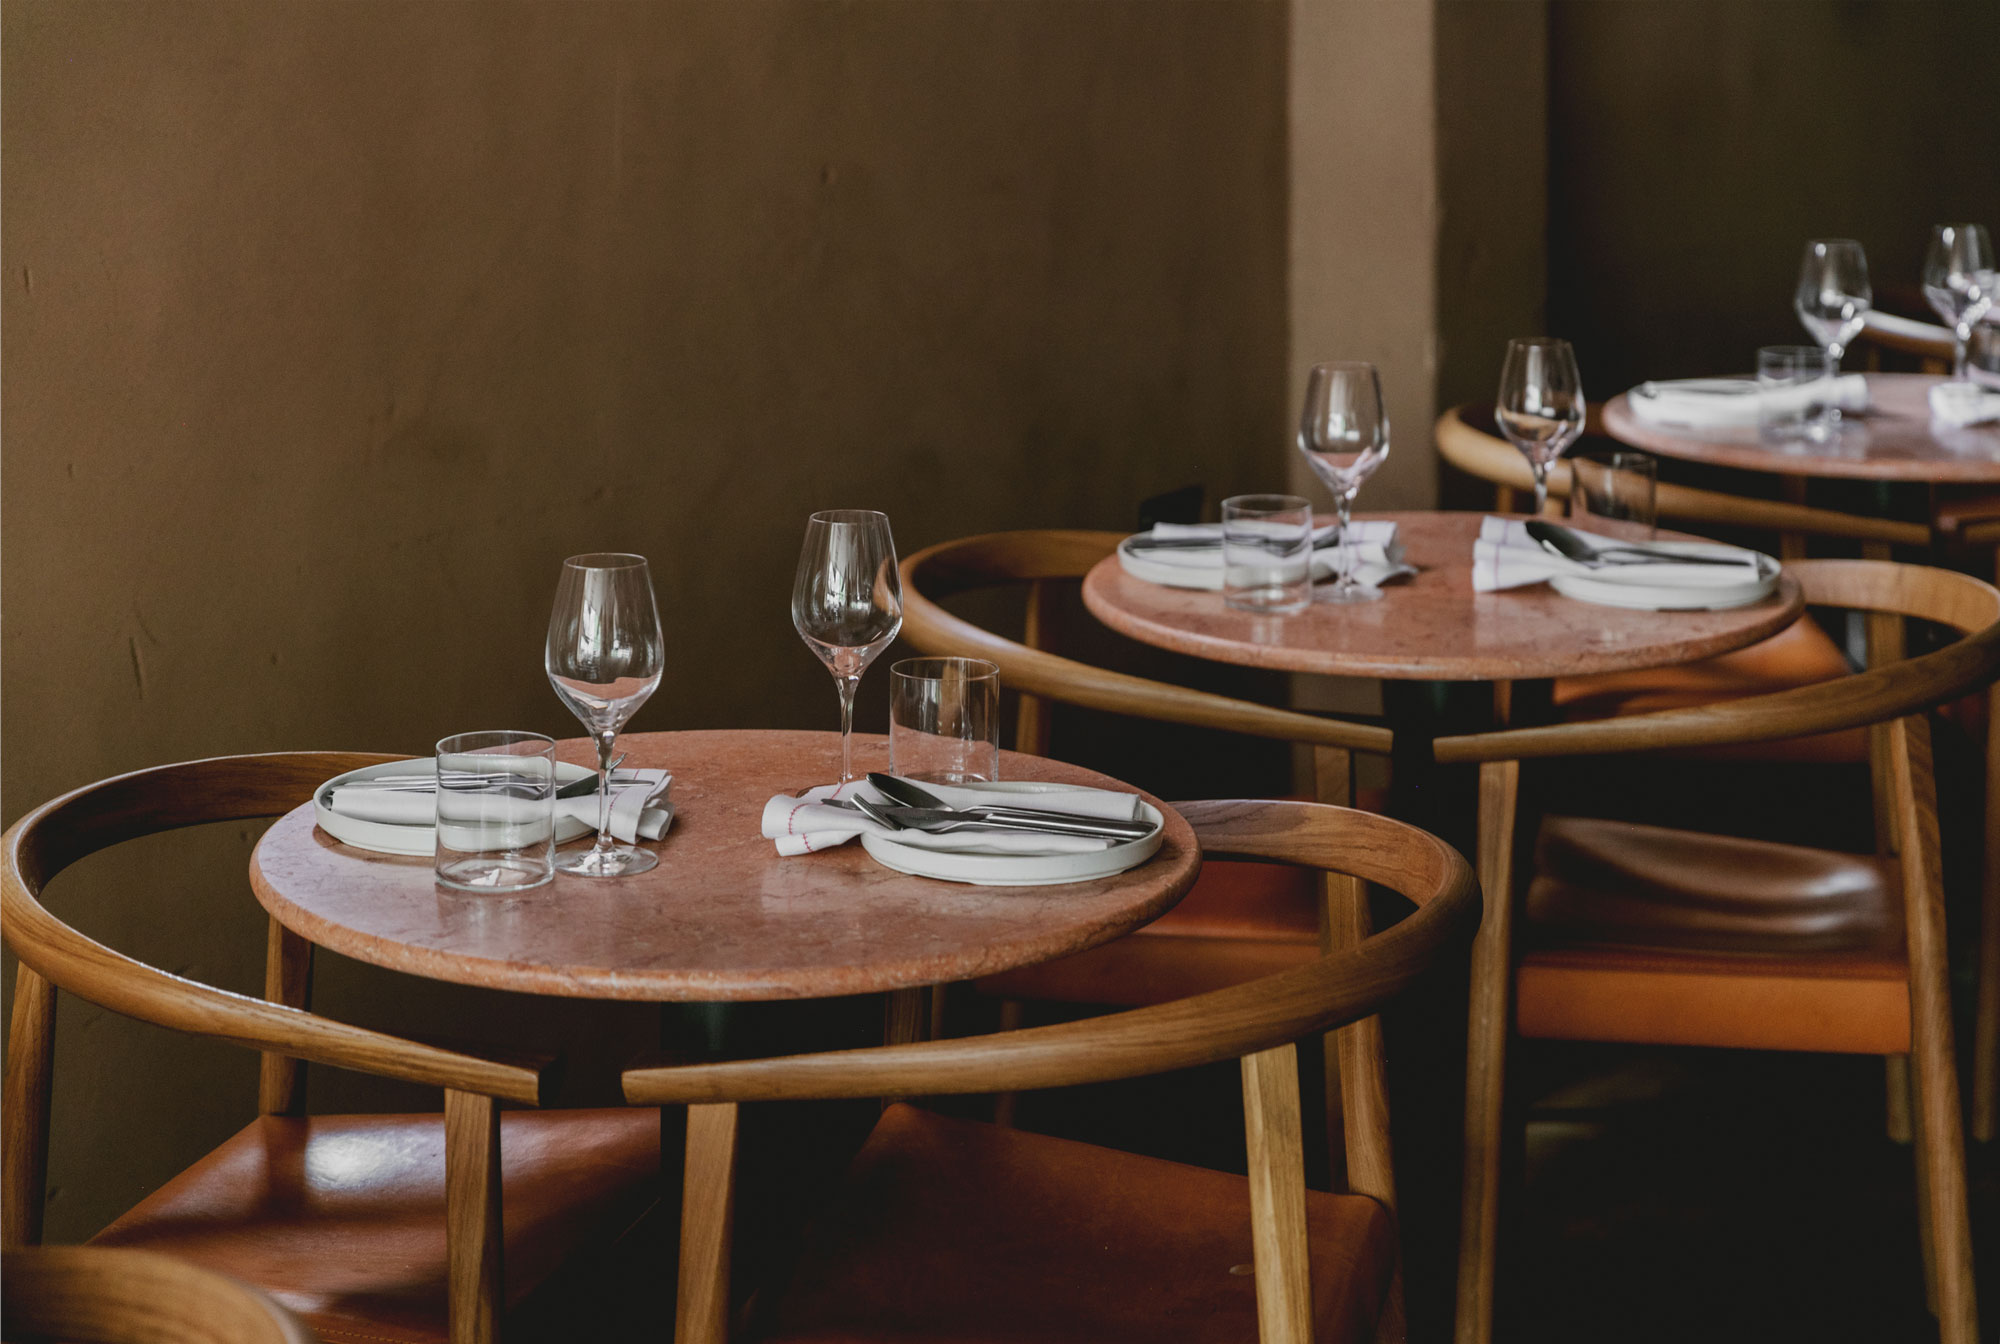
1929 347
53 955
1041 557
1257 1023
91 1295
1464 440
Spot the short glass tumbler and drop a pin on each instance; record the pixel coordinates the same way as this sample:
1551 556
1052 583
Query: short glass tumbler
496 811
1267 553
1795 393
1620 485
944 719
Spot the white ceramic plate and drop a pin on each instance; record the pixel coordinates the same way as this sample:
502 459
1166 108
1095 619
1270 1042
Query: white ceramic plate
1018 870
1632 586
387 838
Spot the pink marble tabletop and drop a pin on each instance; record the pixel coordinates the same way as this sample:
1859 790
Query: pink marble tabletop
1892 441
1434 627
722 917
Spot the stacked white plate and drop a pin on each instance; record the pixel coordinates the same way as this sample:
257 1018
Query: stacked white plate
389 838
1018 870
1668 587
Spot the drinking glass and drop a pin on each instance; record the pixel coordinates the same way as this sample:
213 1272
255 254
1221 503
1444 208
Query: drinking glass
1960 281
944 719
1794 393
496 811
847 602
1833 297
1267 553
1622 485
1344 434
1540 408
605 656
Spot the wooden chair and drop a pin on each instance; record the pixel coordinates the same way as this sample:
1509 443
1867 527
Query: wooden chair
375 1227
947 1229
1637 933
1924 347
85 1295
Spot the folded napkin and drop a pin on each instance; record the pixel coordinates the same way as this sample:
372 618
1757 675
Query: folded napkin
808 824
1956 405
639 806
1724 403
1505 556
1378 554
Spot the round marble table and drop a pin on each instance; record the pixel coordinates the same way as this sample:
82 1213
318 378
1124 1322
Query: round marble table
1892 441
723 917
1434 627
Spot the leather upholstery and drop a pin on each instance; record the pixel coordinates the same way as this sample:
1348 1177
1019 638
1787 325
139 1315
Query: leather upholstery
1640 933
1799 655
952 1230
1239 921
341 1218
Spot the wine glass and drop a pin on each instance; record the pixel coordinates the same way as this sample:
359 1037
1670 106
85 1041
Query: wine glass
604 658
1344 434
1541 404
847 602
1833 297
1960 280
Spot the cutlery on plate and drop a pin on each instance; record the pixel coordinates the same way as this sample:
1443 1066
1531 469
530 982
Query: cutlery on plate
1215 543
938 821
912 795
1559 540
869 810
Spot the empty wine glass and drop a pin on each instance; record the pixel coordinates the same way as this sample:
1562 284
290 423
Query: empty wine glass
1960 280
1344 434
1541 405
1833 297
847 602
604 658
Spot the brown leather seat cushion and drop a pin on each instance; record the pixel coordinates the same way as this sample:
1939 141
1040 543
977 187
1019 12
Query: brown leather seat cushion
1799 655
953 1230
1238 922
1640 933
341 1218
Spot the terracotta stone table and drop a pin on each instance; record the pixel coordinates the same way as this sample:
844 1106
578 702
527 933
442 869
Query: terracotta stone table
1434 627
1892 441
722 917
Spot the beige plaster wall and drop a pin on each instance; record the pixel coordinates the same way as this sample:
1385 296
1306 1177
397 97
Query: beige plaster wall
331 328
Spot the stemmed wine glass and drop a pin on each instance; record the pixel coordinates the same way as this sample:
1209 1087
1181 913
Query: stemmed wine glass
1959 281
847 602
1541 406
1833 297
1344 434
604 658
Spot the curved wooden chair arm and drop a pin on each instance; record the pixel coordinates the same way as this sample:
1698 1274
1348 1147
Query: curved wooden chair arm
1031 556
134 1297
1477 453
1908 336
168 797
1224 1024
1960 601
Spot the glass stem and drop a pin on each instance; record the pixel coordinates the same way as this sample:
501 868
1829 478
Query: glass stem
1961 343
1343 501
1833 354
605 741
1541 470
846 686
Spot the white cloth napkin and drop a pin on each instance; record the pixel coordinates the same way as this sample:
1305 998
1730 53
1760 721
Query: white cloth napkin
1727 403
639 806
1957 405
1505 556
807 824
1378 554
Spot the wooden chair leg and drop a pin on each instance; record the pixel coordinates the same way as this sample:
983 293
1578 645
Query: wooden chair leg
288 966
24 1110
1940 1140
472 1216
1986 1019
1896 1087
708 1211
1031 716
1277 1195
1486 1053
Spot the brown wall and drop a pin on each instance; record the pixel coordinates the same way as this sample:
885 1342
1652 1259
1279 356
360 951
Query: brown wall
331 328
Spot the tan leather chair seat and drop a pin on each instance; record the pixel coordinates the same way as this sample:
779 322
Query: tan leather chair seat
1640 933
1239 921
341 1218
952 1230
1799 655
